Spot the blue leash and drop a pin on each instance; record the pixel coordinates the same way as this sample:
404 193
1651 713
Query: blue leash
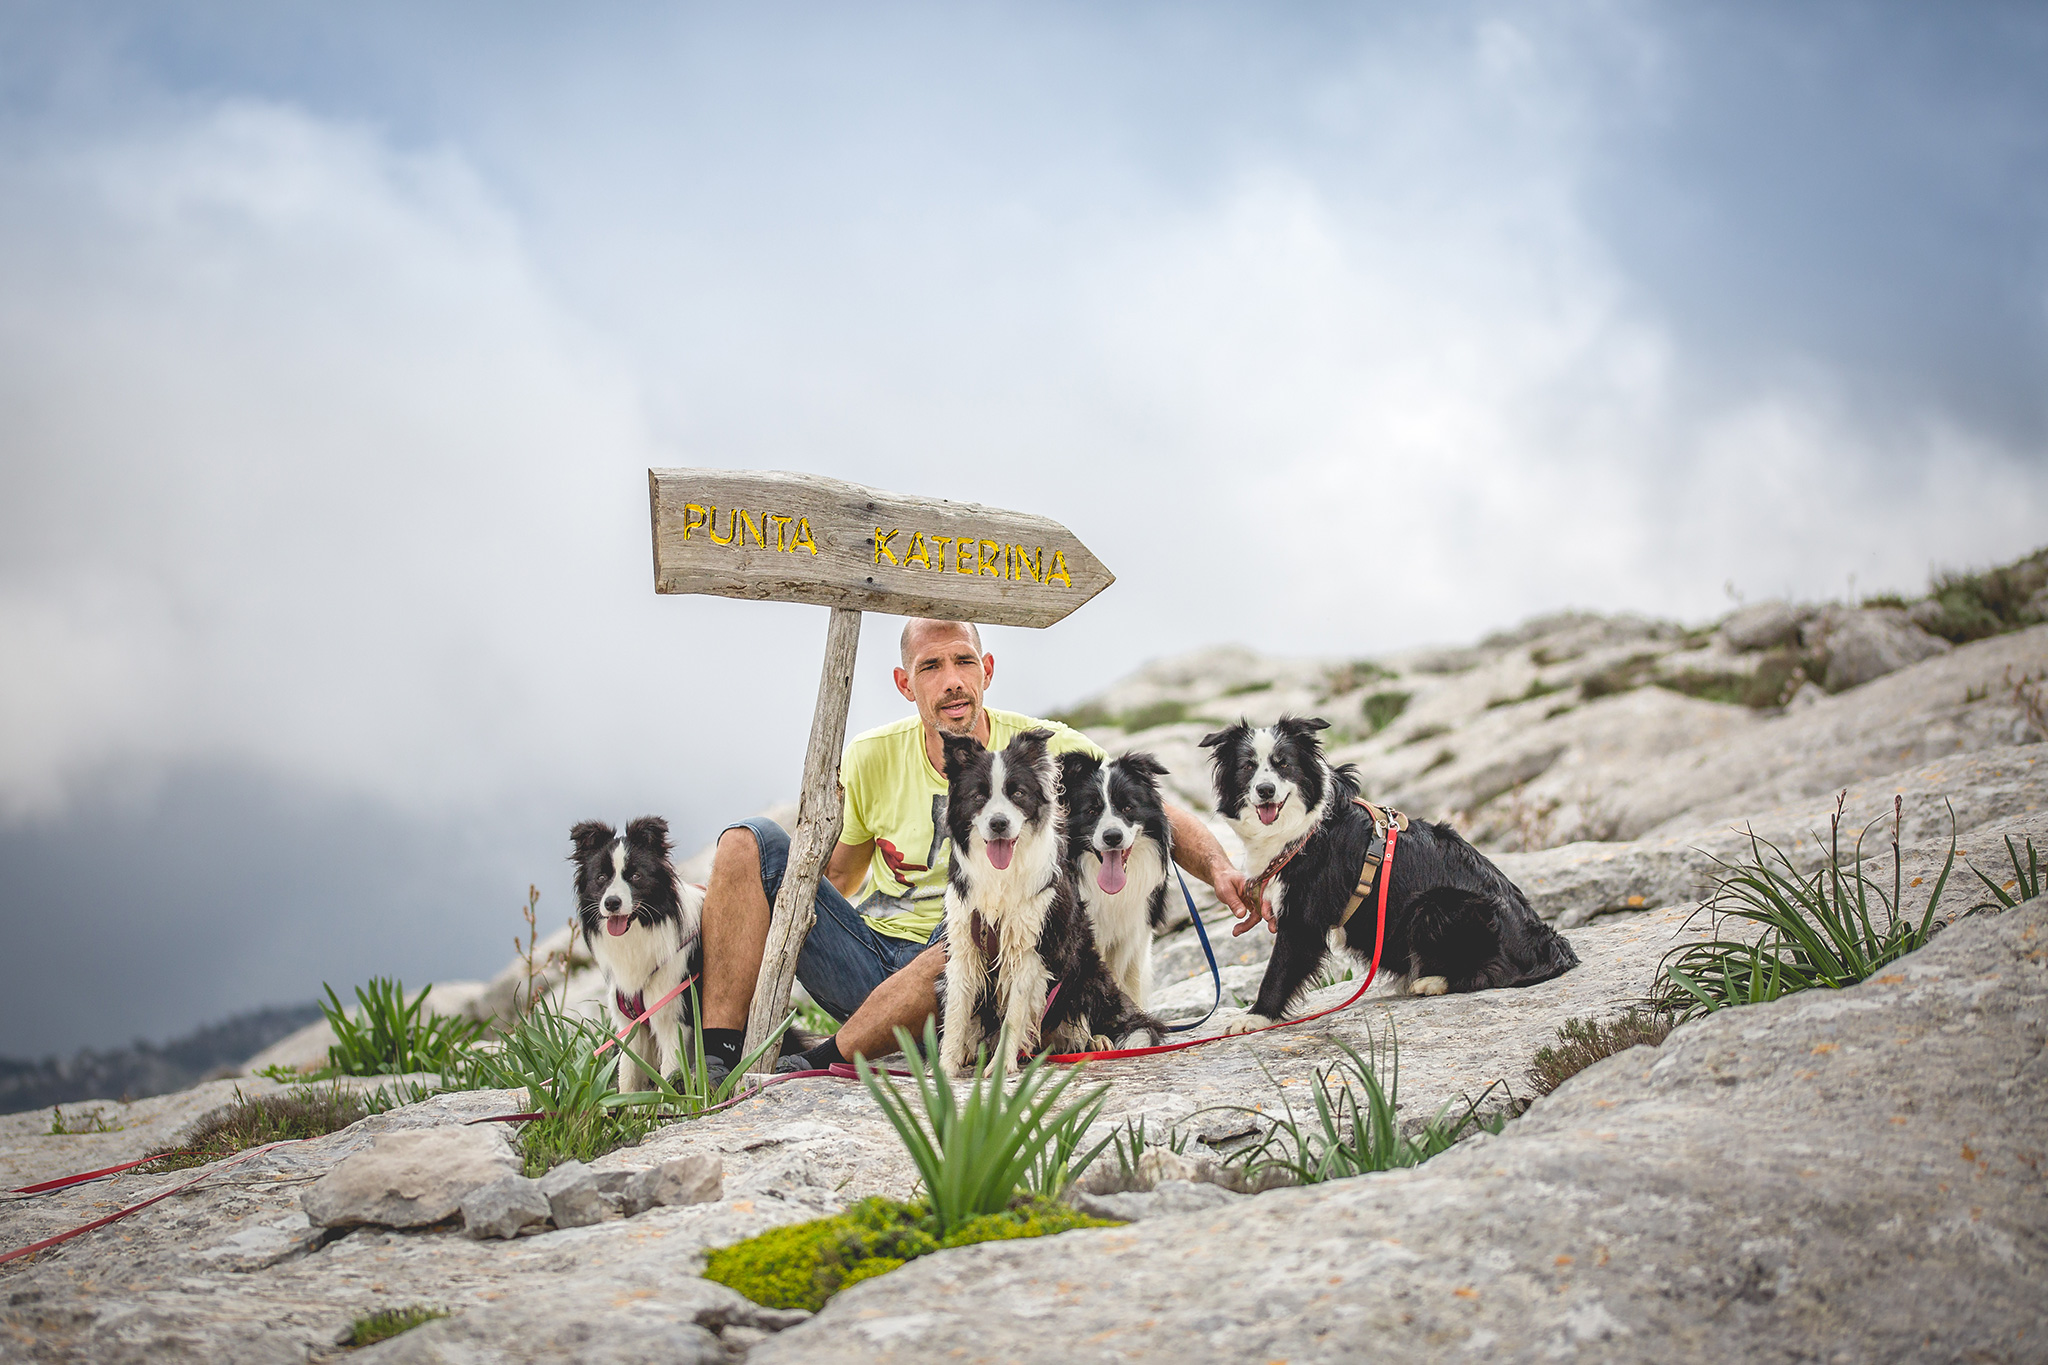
1215 973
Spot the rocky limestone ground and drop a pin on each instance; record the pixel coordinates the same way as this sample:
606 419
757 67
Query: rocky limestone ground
1850 1176
233 1269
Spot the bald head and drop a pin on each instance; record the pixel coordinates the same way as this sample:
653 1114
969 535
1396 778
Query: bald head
920 631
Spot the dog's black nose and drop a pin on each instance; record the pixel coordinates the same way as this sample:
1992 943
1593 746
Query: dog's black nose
999 827
612 903
1266 790
1113 838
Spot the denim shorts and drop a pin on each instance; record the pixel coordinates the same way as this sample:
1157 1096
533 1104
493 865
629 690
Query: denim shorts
844 958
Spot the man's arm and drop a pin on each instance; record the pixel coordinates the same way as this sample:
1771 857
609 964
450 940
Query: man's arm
848 867
1196 849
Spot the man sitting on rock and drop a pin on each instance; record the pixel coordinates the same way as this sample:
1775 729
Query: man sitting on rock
874 965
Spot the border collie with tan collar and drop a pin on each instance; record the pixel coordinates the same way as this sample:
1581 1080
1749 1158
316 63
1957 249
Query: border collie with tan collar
1455 922
1020 955
643 927
1120 855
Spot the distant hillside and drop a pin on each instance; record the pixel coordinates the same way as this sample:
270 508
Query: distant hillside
143 1069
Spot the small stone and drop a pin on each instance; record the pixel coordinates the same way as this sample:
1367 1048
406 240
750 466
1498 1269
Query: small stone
695 1179
504 1208
574 1195
1763 625
409 1179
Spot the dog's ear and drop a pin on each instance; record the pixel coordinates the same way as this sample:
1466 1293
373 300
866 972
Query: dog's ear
961 753
1301 725
1033 747
588 837
1224 736
1076 767
649 831
1143 765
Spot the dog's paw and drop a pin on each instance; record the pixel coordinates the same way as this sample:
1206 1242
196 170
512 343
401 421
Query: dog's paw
1251 1023
1429 985
1101 1042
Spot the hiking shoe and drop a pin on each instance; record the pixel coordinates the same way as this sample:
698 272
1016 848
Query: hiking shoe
793 1063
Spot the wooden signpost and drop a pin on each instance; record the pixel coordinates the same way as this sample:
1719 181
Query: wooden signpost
802 538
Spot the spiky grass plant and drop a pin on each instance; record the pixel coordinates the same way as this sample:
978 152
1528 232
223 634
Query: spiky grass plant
1352 1131
304 1111
2026 878
977 1146
1831 929
570 1075
392 1036
1582 1042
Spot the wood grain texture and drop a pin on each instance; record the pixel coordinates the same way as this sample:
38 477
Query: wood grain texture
805 538
818 814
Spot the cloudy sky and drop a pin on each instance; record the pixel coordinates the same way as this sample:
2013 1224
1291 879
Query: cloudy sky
335 343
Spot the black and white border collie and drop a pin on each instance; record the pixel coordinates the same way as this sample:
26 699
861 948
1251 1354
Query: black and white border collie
1119 854
1014 928
1455 922
643 927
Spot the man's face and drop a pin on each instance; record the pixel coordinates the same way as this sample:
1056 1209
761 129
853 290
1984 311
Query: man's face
946 679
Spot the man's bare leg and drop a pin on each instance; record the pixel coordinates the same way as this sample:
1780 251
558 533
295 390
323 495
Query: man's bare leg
736 912
905 1000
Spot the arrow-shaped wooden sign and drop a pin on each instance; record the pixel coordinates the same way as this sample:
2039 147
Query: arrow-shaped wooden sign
802 538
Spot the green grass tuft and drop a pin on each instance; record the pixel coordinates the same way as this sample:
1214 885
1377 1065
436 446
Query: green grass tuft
1353 1132
1537 688
386 1323
392 1036
1246 689
1582 1042
1973 606
304 1111
1828 930
975 1148
804 1264
1088 716
2025 883
1166 712
1352 676
1382 709
1625 676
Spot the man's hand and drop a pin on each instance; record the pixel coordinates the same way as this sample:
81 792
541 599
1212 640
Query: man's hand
1231 887
1196 849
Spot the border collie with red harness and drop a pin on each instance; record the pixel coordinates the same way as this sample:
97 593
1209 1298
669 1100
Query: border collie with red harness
1313 851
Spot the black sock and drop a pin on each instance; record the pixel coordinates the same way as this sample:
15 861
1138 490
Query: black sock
825 1054
725 1045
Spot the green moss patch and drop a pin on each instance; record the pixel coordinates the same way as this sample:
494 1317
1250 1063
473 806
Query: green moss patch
388 1323
804 1264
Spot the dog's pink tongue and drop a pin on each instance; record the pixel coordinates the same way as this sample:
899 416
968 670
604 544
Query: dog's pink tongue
999 851
617 924
1112 876
1269 813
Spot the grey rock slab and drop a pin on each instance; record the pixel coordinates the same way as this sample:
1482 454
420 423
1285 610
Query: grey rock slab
505 1208
1763 625
1867 644
410 1179
1838 1175
695 1179
1165 1198
575 1195
1990 791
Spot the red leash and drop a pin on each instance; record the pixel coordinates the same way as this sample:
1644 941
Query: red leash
116 1216
66 1182
645 1015
1379 934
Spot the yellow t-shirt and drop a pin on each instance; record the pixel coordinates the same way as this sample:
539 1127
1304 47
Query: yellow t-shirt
895 797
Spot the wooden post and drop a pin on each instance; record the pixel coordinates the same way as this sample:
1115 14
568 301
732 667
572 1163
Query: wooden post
818 813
